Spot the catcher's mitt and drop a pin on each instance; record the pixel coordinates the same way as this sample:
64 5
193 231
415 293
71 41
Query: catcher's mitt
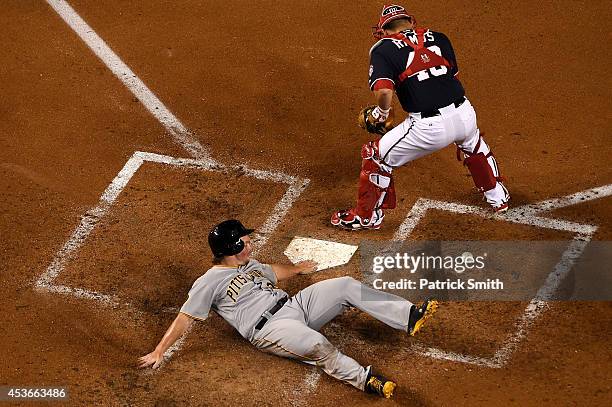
373 121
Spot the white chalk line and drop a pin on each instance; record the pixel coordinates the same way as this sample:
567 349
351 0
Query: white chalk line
527 215
569 200
88 222
452 356
172 124
420 208
279 211
93 216
308 385
81 293
544 294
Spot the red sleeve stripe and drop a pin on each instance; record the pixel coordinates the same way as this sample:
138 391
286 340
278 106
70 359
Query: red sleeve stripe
382 83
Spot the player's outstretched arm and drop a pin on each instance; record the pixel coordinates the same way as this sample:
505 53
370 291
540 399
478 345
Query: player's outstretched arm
285 271
181 323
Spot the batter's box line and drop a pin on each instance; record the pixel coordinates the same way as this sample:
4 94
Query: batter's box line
527 215
46 282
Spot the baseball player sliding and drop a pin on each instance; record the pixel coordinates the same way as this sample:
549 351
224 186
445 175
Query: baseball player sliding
419 65
243 292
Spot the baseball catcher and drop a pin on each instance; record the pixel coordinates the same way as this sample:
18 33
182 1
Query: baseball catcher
243 292
418 65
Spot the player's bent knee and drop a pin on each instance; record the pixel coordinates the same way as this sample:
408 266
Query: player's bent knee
340 284
320 348
348 281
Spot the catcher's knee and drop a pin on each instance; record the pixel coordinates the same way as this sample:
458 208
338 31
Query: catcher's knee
369 150
371 161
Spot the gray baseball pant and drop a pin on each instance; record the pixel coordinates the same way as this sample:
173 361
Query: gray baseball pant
293 331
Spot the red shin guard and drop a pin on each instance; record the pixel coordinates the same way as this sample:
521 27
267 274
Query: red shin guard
481 172
376 187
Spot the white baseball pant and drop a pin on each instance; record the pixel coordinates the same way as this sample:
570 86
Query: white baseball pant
416 137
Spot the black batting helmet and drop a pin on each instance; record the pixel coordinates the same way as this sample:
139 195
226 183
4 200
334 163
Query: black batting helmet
224 239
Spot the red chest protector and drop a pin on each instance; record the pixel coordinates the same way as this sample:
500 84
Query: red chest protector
423 57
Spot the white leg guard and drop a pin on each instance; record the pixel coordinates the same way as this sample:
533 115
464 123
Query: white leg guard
383 182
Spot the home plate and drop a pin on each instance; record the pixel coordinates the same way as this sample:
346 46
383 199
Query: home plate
327 254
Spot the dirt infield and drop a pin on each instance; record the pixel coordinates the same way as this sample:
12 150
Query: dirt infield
276 86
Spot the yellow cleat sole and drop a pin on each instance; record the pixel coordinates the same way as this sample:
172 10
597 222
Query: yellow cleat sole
432 307
388 389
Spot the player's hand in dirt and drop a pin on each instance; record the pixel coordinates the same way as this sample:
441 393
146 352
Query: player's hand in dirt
152 358
307 266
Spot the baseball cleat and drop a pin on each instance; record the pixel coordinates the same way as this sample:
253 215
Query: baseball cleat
501 208
348 219
418 315
379 385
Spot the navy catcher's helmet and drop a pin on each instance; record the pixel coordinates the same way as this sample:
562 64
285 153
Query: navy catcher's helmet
224 239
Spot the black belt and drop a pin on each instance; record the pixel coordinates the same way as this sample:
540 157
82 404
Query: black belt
267 315
435 112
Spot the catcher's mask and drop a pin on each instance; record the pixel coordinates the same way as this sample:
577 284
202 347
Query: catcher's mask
224 239
389 13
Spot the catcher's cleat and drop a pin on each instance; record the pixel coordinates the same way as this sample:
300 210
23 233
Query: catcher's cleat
501 208
379 385
348 219
418 315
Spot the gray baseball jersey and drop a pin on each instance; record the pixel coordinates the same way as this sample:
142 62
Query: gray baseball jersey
240 295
